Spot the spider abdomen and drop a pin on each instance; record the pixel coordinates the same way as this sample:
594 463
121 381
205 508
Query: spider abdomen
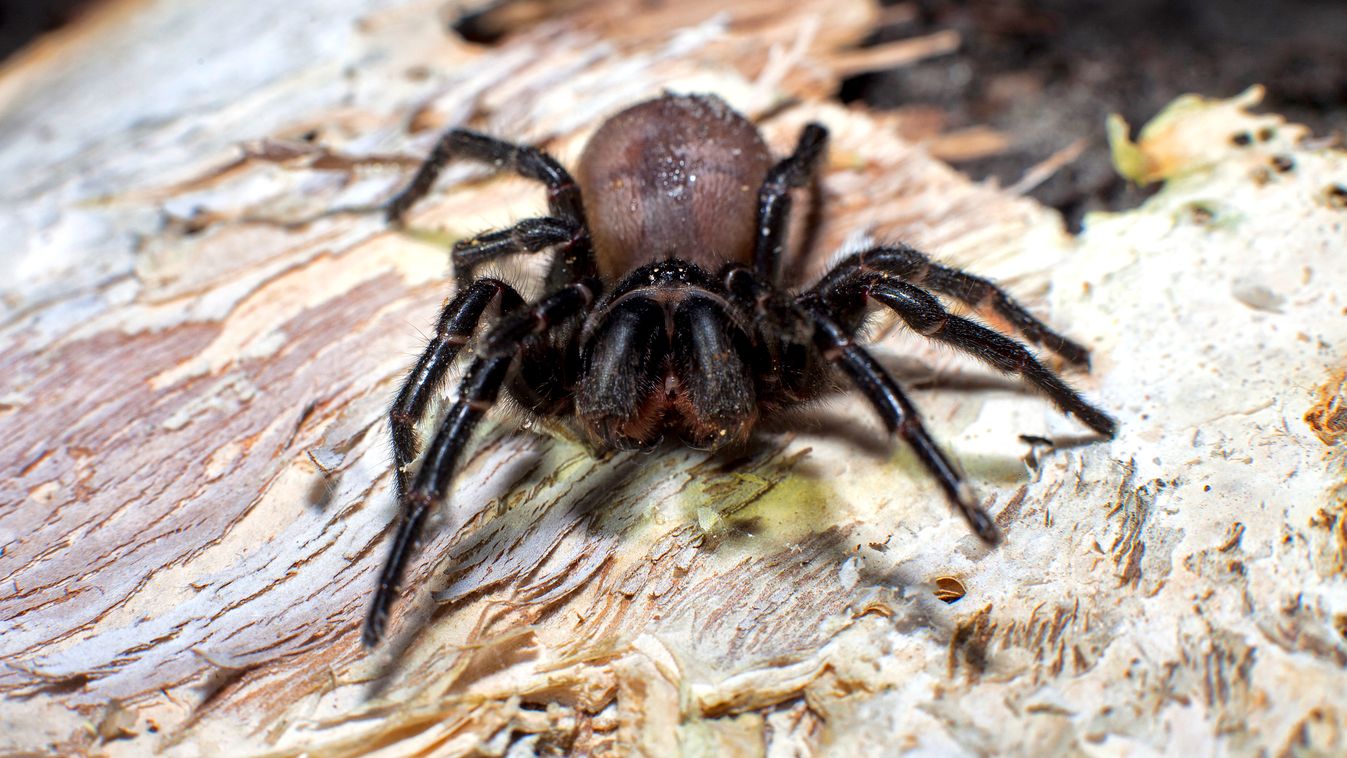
675 177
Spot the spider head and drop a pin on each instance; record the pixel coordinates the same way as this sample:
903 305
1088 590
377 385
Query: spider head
668 352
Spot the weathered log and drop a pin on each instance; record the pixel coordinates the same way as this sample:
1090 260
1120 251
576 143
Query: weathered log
202 334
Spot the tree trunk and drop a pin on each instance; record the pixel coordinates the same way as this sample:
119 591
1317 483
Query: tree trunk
203 332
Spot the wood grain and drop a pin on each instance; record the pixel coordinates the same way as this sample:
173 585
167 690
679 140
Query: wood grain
204 332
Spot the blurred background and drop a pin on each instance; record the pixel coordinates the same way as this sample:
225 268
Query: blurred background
1048 72
23 20
1043 74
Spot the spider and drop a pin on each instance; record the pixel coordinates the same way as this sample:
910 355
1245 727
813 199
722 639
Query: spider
663 311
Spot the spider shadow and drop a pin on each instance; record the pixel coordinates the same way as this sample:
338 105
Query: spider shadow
323 487
582 505
826 543
830 544
603 505
917 374
608 497
911 373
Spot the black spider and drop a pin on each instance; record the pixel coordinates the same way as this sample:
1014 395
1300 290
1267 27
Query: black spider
662 309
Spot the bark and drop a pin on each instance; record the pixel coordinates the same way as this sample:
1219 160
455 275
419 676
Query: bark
202 335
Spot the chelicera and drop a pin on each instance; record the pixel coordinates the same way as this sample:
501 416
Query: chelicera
663 311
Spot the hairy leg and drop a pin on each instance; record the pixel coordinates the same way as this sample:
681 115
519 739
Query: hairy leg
458 320
796 170
788 371
527 236
563 195
477 393
926 316
910 265
898 415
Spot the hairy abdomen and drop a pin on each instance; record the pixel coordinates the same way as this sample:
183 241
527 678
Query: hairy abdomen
673 177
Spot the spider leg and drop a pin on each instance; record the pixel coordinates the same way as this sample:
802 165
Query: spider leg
527 236
796 170
911 265
897 413
926 316
782 329
563 194
458 320
477 393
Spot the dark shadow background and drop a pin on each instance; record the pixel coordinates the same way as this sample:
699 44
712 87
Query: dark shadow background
1047 72
22 20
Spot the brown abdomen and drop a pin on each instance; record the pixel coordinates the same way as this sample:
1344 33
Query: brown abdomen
676 177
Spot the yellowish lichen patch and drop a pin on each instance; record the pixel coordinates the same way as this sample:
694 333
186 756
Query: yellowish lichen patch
1179 140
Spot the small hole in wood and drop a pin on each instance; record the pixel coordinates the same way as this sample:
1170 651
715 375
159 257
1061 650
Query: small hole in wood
1336 195
949 590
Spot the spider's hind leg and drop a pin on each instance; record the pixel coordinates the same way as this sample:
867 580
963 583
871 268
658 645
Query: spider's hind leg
528 236
913 266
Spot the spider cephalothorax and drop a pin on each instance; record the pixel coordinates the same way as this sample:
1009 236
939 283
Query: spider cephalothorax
662 311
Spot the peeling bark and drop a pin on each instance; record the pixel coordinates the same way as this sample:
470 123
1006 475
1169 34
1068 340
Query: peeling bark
204 334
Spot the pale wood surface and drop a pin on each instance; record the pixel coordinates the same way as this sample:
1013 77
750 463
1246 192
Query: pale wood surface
195 465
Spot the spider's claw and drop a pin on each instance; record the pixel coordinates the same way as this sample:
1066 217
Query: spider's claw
966 503
374 627
376 621
1097 420
394 210
390 576
981 523
1071 352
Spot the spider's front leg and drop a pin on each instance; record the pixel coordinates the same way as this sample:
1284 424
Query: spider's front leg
897 412
458 320
477 393
924 314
